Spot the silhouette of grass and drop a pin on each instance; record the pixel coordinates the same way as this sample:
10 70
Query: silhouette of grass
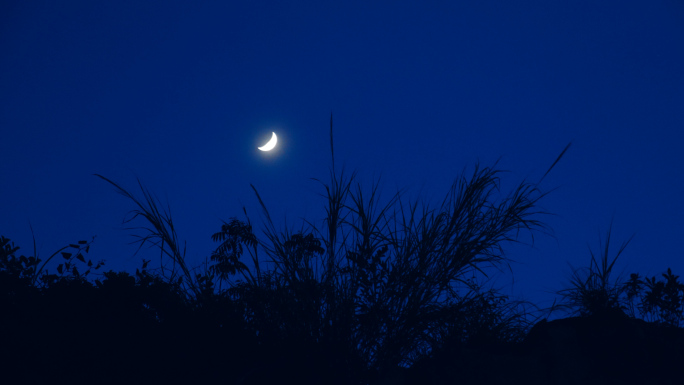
377 280
159 232
591 290
389 269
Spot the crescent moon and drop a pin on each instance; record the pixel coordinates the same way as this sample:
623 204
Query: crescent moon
270 145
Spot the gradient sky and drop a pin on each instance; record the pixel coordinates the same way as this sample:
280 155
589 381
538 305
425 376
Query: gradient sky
180 95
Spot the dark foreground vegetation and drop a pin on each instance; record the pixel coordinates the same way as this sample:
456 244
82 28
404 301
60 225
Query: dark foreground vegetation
377 293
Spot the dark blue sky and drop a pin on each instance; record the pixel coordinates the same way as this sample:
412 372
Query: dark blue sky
181 95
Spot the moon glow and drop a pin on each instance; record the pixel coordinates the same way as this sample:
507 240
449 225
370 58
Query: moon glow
270 145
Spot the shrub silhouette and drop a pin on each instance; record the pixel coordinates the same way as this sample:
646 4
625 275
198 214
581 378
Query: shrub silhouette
658 301
118 328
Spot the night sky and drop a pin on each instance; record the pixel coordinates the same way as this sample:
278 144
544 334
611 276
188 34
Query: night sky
180 95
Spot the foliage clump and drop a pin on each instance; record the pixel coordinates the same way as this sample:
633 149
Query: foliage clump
593 292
